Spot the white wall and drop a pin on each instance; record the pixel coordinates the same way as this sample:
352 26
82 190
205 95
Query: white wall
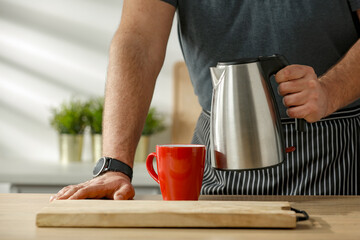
51 50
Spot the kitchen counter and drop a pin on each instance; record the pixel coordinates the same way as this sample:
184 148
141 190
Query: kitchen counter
331 217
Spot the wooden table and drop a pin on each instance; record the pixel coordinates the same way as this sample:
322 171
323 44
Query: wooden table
330 218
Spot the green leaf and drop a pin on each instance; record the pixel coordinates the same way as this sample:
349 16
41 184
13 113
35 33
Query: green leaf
70 117
94 114
154 123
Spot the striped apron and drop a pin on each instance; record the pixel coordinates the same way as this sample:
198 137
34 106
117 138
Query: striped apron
325 162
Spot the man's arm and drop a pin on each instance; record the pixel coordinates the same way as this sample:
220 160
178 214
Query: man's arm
313 98
136 57
137 53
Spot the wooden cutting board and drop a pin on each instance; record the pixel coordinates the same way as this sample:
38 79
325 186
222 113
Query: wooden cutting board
137 213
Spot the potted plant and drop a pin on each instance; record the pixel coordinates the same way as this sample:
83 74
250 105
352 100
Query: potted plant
154 123
94 113
70 121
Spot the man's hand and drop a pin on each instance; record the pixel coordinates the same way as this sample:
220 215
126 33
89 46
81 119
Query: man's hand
304 94
111 185
137 53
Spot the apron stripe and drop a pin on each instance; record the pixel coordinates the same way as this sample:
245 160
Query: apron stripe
325 161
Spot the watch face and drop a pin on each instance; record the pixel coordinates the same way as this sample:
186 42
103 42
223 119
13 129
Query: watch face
99 167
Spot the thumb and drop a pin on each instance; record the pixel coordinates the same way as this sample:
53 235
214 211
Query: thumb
125 192
118 196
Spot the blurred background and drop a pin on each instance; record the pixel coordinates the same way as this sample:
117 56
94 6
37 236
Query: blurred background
51 51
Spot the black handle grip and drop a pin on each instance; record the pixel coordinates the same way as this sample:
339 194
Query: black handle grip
271 65
301 218
300 124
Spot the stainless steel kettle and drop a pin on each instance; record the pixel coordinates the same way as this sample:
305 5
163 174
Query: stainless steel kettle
245 127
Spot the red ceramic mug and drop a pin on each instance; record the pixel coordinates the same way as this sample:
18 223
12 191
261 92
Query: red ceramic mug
180 170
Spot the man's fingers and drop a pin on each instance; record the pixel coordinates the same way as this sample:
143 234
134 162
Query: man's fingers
95 191
307 111
295 99
119 196
293 86
303 93
125 192
298 112
61 192
69 192
293 72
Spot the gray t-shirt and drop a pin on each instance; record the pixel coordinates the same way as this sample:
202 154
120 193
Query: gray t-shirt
316 33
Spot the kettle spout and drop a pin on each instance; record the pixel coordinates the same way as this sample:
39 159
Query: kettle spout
216 75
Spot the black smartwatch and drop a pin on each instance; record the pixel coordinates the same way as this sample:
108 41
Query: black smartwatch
106 164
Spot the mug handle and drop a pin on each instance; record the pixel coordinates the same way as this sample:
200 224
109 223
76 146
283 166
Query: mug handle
150 167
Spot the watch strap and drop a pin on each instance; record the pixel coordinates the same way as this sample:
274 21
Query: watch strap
115 165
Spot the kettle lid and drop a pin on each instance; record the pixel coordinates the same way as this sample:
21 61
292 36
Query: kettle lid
238 61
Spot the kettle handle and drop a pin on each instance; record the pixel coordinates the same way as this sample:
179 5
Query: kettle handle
271 65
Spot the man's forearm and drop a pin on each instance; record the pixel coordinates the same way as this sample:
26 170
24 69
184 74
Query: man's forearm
130 84
342 81
137 53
